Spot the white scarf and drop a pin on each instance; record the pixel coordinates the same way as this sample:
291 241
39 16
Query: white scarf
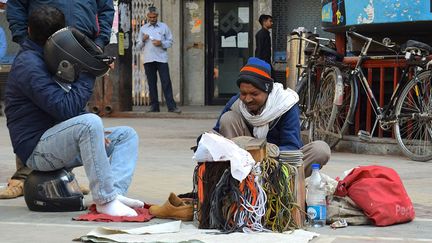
278 102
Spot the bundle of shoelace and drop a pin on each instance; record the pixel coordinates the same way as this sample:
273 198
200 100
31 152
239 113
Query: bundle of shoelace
254 205
263 201
237 206
278 184
206 176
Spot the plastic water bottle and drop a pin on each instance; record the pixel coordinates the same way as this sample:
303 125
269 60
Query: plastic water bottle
316 199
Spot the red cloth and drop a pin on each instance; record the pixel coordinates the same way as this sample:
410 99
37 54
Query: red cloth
143 216
379 191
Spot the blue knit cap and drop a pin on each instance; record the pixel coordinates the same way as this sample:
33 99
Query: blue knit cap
256 72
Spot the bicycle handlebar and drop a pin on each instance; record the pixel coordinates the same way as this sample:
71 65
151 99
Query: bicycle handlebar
325 39
353 33
315 43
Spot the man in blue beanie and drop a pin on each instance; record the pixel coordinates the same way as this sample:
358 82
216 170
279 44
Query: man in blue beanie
264 109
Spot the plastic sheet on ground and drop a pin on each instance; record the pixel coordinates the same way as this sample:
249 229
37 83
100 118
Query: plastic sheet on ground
178 232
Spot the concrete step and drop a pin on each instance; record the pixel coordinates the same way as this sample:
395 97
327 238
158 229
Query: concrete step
375 146
188 112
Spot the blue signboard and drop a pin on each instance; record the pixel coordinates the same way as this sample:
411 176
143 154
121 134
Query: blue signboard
386 11
359 12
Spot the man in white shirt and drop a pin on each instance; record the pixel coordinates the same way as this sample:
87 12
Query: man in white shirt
154 39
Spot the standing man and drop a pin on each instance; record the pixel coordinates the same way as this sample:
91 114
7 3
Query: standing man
94 18
263 40
154 39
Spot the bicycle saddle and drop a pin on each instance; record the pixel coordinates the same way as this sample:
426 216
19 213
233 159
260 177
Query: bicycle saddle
412 44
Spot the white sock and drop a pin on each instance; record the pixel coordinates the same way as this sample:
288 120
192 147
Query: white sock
133 203
116 208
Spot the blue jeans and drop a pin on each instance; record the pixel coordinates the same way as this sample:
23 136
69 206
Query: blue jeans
151 69
80 141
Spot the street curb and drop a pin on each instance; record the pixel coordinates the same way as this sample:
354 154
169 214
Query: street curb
167 115
375 146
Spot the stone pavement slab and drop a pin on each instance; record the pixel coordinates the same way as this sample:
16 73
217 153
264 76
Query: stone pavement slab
165 166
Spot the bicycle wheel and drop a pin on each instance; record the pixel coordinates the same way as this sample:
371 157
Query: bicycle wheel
302 91
330 121
413 128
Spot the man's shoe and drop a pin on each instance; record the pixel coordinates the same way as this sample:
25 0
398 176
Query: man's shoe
152 110
175 110
174 208
13 190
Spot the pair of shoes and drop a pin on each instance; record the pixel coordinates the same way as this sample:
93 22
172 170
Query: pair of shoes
175 110
151 109
14 189
174 208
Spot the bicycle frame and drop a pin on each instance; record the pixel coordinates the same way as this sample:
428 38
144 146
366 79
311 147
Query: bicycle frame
381 114
309 68
312 63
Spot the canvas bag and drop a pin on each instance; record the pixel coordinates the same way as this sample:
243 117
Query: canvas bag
379 192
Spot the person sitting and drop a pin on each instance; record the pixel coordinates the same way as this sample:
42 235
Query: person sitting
264 109
50 130
93 18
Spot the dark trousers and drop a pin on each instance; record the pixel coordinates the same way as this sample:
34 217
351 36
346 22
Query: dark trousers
151 70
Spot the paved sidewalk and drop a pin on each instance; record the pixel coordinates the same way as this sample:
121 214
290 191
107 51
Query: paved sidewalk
165 166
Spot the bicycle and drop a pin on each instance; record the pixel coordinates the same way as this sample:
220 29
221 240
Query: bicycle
409 110
322 67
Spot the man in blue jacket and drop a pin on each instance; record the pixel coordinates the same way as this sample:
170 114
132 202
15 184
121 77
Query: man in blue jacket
94 18
264 109
49 129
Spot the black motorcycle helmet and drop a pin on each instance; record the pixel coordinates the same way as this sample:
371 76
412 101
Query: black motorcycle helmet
68 52
53 191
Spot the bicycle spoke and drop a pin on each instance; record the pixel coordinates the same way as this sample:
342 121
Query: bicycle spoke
329 121
414 119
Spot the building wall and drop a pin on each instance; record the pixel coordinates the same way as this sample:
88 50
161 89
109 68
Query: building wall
288 15
194 52
187 22
187 56
171 15
194 47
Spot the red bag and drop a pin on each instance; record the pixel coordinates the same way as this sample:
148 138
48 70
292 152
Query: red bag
379 192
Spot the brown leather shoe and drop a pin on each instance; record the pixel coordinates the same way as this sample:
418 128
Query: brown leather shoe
13 190
174 208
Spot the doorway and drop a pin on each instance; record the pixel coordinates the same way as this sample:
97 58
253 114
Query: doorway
229 36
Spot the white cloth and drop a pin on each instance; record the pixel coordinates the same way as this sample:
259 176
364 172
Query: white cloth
279 101
213 147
